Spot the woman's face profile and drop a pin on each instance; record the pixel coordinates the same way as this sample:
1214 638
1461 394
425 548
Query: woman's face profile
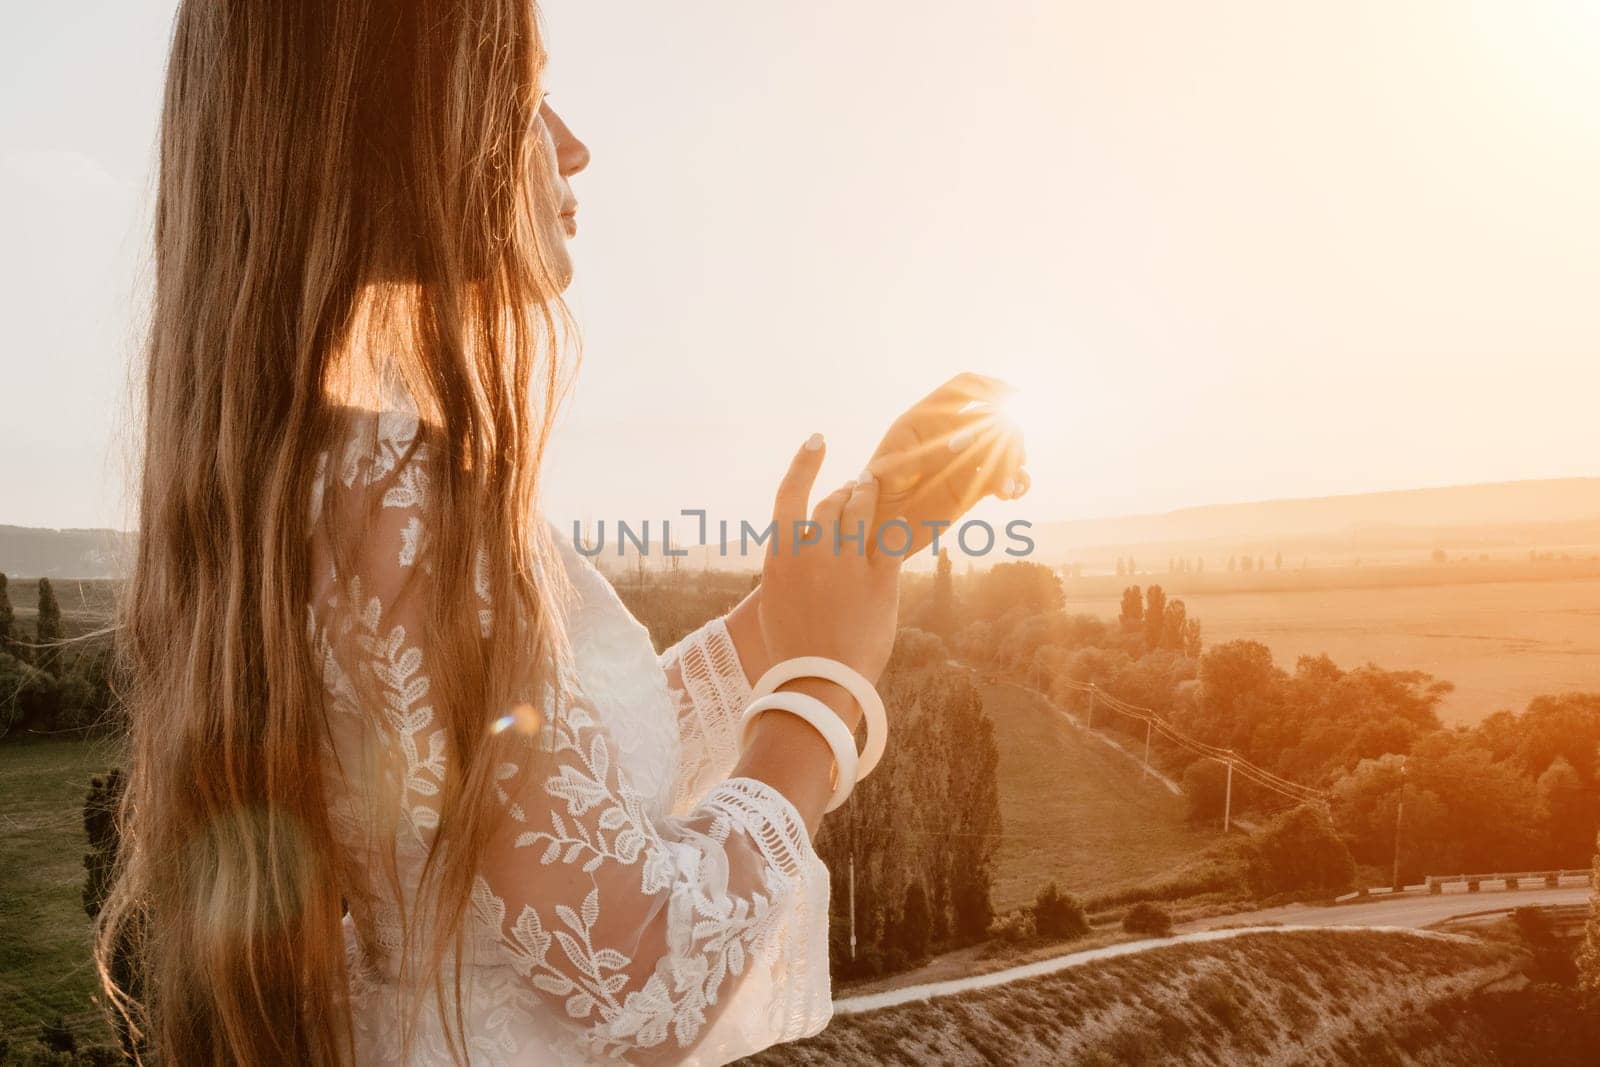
563 156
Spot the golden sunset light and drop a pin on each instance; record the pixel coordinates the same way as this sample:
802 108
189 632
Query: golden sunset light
905 531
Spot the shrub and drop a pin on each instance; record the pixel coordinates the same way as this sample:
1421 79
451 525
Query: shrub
1216 997
1300 850
1013 926
1147 918
1058 915
1205 786
56 1037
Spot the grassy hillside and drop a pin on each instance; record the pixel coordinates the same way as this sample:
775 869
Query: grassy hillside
1075 812
45 968
1315 997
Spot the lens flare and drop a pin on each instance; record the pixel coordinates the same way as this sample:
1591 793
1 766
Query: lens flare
523 719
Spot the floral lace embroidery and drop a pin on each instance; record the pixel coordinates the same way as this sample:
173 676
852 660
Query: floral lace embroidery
607 926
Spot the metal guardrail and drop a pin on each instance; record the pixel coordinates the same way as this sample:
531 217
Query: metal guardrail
1436 884
1511 880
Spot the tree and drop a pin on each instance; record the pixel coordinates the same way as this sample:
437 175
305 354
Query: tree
1058 915
26 694
1191 639
100 825
1299 850
1024 588
914 649
929 817
1589 951
7 616
1174 626
48 629
1569 811
1278 563
941 616
1155 612
915 929
1132 617
1205 784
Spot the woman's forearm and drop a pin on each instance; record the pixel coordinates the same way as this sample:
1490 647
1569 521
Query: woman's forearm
744 627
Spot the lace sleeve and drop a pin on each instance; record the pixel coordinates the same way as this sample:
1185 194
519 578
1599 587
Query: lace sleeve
696 939
710 691
691 938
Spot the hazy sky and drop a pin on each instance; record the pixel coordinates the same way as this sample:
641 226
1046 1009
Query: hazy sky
1231 250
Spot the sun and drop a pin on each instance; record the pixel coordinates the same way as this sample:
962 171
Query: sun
1032 412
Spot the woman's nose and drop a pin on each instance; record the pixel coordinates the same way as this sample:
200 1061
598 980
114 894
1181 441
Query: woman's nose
572 155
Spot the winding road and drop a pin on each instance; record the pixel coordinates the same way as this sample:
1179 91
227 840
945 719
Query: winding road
1404 915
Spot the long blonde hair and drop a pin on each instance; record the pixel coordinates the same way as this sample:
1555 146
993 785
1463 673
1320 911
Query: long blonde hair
324 166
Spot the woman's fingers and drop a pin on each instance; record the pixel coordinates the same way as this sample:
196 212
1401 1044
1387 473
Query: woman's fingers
794 492
1002 474
827 511
965 388
862 502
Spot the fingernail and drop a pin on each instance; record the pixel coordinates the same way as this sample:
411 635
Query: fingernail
814 442
865 478
960 441
1009 489
849 485
1024 483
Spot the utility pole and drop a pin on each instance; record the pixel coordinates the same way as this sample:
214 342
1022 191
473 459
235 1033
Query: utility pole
852 905
1147 748
852 882
1399 814
1227 804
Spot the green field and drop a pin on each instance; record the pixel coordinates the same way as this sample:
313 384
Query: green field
1075 812
45 969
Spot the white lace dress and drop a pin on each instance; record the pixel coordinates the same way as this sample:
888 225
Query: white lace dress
643 905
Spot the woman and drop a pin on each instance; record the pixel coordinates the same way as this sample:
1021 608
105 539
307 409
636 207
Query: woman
407 783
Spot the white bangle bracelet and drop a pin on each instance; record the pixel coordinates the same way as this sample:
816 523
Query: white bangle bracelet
852 681
825 721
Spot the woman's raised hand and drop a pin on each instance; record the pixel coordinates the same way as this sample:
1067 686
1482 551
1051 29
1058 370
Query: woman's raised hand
944 454
822 593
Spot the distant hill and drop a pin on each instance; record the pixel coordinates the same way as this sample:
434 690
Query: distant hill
1550 512
29 552
1545 513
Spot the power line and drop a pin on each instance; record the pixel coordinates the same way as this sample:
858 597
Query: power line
1250 771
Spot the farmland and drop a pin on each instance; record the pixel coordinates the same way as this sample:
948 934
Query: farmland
1500 642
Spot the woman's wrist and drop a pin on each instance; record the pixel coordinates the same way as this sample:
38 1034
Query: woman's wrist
836 696
744 628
